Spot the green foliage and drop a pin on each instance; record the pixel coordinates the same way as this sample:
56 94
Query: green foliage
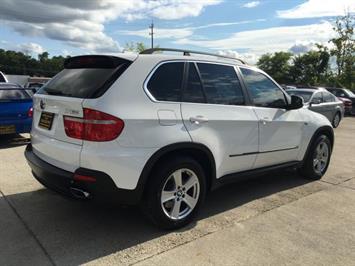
135 47
314 67
276 65
18 63
344 50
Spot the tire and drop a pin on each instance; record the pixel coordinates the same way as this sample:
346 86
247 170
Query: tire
336 120
167 215
312 169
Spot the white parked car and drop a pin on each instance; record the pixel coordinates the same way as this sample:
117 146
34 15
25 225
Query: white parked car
162 130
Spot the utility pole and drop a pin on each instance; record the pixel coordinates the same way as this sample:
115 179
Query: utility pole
151 33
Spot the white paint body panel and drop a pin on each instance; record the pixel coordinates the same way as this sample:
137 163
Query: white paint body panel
151 125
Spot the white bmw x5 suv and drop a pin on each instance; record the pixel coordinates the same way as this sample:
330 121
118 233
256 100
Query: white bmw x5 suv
161 130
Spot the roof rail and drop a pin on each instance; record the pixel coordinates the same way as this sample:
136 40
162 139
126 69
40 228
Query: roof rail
187 53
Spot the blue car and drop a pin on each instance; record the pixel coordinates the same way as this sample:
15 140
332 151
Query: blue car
15 111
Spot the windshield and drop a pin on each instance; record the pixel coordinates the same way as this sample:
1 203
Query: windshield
306 95
349 92
13 94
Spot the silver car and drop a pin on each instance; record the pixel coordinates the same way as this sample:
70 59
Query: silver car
323 102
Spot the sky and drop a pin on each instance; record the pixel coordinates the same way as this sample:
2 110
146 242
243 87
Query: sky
241 28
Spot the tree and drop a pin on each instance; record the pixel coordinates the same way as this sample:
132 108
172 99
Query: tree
135 47
276 65
311 68
344 50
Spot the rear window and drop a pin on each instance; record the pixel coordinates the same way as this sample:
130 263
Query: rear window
306 95
13 94
85 76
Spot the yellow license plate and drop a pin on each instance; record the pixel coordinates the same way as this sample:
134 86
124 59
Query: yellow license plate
10 129
46 120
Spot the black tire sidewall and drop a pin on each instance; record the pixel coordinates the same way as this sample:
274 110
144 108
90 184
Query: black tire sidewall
157 181
333 122
308 169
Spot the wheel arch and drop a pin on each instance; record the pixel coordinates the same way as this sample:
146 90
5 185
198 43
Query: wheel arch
326 130
196 150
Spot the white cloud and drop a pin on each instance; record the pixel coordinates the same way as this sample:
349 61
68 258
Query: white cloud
161 33
318 8
81 23
258 42
31 48
247 57
251 4
179 33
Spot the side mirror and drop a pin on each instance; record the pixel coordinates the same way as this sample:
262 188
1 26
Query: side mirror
296 103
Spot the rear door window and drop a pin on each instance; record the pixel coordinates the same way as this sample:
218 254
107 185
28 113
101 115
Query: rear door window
165 84
193 91
85 76
221 84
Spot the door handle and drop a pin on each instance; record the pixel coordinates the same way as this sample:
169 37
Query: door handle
265 120
198 120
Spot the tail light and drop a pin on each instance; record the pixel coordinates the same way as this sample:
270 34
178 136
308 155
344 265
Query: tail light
94 126
30 112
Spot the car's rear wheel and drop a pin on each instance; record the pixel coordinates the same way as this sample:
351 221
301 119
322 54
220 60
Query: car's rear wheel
317 161
336 120
175 193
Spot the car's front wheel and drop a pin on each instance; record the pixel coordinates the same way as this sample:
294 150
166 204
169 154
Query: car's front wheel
317 160
175 192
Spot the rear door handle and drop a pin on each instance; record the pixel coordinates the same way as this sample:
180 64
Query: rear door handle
198 120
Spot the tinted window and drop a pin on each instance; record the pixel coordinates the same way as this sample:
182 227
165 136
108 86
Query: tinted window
327 97
2 78
165 84
263 91
85 76
193 91
221 84
317 98
11 94
306 95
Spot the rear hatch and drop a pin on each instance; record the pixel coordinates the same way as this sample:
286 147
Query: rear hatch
83 77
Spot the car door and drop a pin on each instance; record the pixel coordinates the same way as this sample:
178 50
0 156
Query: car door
280 130
216 114
330 105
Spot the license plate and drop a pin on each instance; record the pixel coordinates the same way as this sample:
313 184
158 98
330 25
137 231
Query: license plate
10 129
46 120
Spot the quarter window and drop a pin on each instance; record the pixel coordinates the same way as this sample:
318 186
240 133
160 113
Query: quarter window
221 84
165 84
263 91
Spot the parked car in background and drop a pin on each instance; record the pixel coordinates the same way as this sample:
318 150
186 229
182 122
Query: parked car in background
15 111
348 105
3 77
4 85
344 93
34 86
323 102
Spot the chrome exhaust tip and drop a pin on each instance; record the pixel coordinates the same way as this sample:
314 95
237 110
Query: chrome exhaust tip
79 193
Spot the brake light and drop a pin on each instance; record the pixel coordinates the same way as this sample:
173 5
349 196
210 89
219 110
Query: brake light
30 112
84 178
348 103
94 126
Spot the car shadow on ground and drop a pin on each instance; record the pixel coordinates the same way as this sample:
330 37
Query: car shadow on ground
10 141
75 232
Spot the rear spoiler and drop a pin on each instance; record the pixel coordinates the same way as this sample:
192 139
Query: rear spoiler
94 61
